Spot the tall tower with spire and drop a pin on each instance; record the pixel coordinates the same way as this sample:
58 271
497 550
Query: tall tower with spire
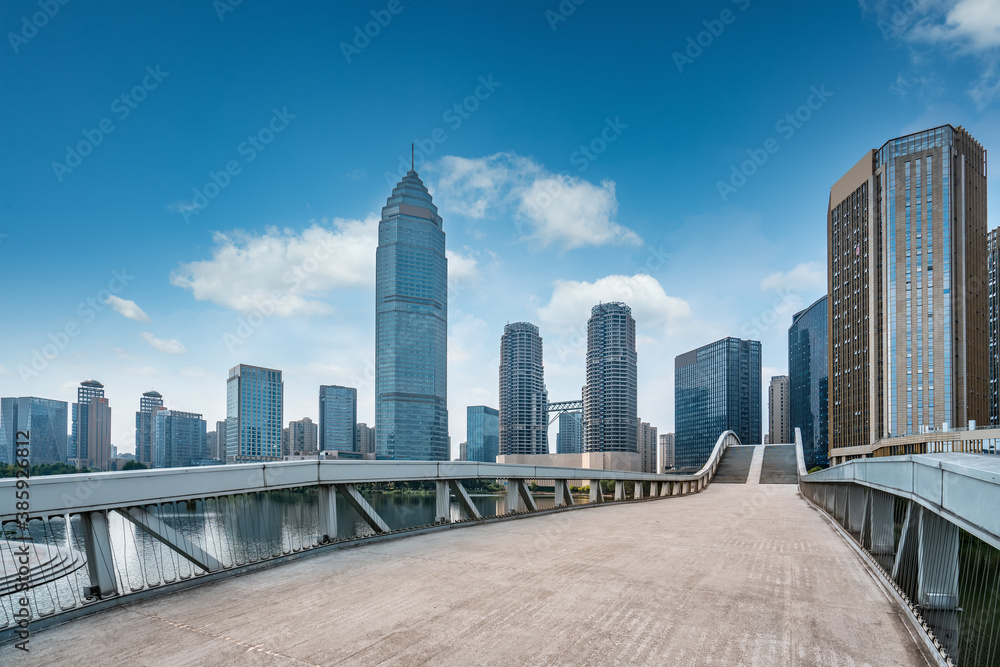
411 328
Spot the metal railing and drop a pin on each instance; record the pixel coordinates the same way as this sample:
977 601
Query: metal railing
930 525
89 540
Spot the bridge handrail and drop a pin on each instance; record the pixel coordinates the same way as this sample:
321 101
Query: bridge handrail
57 494
961 488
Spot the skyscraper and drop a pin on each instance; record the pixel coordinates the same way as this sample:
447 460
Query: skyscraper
646 444
44 419
144 426
569 440
993 320
87 390
338 417
302 437
808 395
411 328
99 450
716 389
908 289
667 461
610 411
524 400
179 439
364 439
777 401
482 428
254 414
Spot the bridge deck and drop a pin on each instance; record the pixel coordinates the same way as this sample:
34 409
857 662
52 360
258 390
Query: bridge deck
736 575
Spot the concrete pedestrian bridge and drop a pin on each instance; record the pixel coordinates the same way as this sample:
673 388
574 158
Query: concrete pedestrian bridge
744 563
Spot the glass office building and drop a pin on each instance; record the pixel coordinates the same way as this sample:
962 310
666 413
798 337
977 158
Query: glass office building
144 426
717 388
482 429
254 414
610 397
338 418
993 321
524 400
808 397
907 282
45 421
179 439
570 437
411 328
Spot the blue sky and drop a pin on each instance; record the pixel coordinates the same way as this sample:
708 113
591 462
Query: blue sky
188 186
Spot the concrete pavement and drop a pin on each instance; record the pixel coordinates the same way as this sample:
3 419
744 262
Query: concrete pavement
735 575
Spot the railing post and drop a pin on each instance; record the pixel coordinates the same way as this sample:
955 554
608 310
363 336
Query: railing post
654 489
100 566
464 501
564 497
442 511
361 506
855 508
513 497
596 495
637 493
937 578
327 513
881 524
619 490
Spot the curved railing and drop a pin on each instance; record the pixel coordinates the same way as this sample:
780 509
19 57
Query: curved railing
91 539
930 526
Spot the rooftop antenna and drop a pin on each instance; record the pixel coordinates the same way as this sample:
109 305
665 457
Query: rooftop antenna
411 156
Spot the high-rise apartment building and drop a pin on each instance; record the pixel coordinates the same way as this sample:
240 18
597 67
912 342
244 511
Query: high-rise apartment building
610 407
993 320
777 401
179 439
254 414
908 289
569 440
364 439
144 426
88 390
43 419
303 437
646 445
338 418
524 401
667 461
98 442
411 328
808 389
482 428
716 389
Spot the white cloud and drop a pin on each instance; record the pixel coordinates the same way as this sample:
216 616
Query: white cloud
552 210
805 276
968 25
167 346
569 307
462 269
127 308
282 269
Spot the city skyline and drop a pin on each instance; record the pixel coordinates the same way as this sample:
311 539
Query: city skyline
171 327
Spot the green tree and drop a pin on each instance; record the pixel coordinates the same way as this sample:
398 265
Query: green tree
135 465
